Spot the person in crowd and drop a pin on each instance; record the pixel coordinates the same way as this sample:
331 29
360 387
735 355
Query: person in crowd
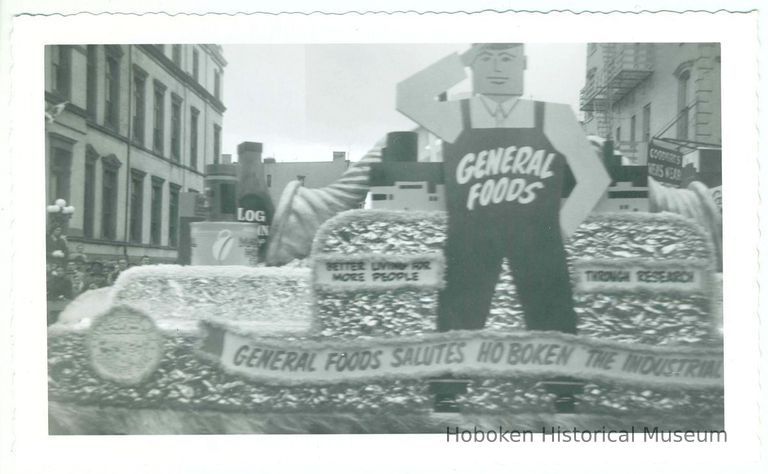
56 244
121 266
59 286
96 276
145 260
79 254
76 277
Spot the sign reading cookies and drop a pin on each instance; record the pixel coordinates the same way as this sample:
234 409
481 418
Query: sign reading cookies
376 271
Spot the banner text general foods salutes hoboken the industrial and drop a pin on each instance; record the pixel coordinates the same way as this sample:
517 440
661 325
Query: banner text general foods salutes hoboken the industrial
461 352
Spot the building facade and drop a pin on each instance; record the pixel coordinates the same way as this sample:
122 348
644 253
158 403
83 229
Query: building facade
139 125
312 174
636 93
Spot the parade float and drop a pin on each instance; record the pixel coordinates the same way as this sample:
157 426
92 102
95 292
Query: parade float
329 325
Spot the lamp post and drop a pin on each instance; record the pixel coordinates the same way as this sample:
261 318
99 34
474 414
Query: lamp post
60 213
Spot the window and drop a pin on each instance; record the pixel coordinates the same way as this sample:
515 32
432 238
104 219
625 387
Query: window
60 57
112 87
155 222
158 118
216 143
683 83
378 197
173 214
89 194
90 82
618 134
196 64
269 180
217 84
647 123
60 168
175 127
193 139
110 167
632 127
176 54
139 101
411 186
137 204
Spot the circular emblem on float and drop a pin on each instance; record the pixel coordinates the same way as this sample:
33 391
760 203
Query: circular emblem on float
124 345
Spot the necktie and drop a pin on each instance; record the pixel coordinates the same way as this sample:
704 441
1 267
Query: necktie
499 115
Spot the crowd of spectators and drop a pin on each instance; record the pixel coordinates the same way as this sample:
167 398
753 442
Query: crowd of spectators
70 273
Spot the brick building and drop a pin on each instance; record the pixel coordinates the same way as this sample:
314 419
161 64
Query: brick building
637 93
139 126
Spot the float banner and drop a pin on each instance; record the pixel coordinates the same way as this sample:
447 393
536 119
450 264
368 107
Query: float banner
665 163
464 353
341 272
633 275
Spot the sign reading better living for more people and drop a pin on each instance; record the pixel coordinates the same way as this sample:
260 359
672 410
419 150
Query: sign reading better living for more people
377 271
460 353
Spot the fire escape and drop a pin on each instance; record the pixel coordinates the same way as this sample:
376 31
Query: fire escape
624 67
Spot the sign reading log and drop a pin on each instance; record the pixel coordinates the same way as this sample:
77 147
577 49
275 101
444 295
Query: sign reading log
460 353
631 275
378 272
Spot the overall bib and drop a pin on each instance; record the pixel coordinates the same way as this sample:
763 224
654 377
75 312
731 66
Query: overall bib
520 221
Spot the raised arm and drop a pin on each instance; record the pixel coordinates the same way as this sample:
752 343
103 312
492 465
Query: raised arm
417 97
566 135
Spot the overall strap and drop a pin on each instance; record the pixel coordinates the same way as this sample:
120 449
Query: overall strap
538 115
466 122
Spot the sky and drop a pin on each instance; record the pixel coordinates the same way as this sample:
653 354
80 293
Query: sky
305 101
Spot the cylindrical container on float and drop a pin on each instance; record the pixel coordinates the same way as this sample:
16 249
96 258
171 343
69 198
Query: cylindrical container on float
224 243
254 203
401 147
221 190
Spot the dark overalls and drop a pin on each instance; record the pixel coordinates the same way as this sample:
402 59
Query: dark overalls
527 234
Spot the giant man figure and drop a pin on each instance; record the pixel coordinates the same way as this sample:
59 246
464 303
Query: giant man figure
504 161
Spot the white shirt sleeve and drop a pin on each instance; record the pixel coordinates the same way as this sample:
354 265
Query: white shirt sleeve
417 97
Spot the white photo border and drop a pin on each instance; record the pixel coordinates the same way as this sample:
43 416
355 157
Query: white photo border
38 452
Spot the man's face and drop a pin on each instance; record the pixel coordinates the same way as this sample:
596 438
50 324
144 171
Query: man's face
121 264
499 71
71 267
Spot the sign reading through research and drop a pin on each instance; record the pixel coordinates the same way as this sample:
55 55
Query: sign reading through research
372 271
660 277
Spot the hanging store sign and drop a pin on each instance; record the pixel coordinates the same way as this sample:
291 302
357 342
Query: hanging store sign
665 163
